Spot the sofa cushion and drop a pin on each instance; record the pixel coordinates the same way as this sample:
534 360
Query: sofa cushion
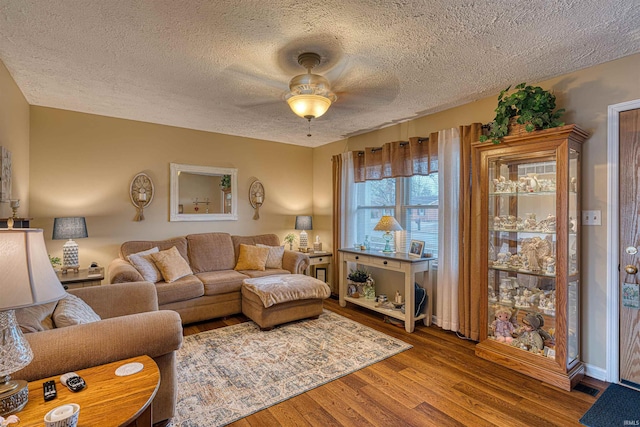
72 310
274 259
136 246
265 239
266 272
183 289
36 318
143 262
221 282
252 258
210 252
171 264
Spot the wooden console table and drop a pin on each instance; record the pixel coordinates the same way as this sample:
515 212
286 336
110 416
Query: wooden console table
400 262
107 400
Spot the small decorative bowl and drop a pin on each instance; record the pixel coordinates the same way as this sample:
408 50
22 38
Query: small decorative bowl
70 412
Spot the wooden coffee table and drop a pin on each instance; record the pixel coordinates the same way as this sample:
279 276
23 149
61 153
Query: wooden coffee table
108 400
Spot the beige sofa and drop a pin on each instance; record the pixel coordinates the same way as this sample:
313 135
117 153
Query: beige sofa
213 290
131 326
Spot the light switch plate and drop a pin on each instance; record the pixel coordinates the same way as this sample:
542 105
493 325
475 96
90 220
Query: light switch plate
591 218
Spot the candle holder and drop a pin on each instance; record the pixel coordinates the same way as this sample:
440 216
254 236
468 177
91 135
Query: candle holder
15 204
141 192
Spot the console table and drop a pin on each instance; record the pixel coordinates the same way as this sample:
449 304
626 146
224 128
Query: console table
81 279
400 262
107 400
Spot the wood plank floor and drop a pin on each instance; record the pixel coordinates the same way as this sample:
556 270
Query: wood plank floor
439 382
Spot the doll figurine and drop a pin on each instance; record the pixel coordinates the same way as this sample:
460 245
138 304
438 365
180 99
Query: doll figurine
502 327
532 336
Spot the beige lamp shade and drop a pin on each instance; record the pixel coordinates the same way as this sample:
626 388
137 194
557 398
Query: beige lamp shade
309 106
388 223
27 275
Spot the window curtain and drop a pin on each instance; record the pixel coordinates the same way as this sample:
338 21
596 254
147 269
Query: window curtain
448 276
344 206
469 291
458 306
418 156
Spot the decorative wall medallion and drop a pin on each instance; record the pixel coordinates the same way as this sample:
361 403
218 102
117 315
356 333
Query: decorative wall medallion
256 197
141 192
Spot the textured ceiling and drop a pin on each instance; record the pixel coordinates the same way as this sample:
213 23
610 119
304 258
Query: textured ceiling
224 65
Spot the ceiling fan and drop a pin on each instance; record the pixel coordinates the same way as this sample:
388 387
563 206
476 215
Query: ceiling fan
309 95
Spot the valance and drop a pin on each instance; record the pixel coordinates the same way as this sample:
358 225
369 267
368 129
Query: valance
418 156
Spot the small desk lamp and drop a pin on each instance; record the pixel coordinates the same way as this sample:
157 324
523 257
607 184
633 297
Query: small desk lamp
387 224
27 279
304 222
70 228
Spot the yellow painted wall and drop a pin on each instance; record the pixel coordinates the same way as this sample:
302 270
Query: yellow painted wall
82 165
585 94
14 135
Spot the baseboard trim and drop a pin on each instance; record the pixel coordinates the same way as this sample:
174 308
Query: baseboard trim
596 372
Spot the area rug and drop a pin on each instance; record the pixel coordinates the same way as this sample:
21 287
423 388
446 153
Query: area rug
618 406
229 373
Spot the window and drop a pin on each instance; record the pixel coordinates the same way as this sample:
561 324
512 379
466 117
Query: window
412 201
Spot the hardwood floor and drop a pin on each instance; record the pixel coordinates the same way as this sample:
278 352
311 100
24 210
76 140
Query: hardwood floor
439 382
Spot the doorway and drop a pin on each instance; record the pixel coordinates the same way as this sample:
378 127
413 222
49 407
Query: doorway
614 310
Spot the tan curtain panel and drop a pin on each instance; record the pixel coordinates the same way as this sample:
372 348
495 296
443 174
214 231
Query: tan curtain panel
336 172
418 156
469 294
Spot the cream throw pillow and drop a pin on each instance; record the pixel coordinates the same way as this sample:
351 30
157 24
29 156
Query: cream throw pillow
252 258
274 259
71 310
143 262
36 318
171 264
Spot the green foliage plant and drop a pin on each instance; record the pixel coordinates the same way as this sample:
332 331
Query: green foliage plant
358 276
290 239
225 182
55 261
534 107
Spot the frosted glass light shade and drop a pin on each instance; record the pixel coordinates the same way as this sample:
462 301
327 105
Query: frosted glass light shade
309 106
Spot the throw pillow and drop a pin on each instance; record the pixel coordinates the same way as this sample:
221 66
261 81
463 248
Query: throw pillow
71 310
36 318
252 258
171 264
143 262
274 259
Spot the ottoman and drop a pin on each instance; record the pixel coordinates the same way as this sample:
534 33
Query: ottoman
282 298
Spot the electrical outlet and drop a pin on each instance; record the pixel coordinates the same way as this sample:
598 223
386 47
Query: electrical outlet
591 218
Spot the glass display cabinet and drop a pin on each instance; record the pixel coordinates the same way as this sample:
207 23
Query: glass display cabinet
526 247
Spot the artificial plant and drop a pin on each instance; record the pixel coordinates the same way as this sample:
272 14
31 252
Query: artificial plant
533 107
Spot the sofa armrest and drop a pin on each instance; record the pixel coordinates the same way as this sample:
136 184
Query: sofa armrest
120 299
120 271
61 350
295 262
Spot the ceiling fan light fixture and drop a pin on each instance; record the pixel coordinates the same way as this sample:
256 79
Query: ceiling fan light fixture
309 106
309 94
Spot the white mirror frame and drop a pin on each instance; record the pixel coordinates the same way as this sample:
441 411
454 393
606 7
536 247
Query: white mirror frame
177 168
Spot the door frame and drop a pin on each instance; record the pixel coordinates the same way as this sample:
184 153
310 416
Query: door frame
613 230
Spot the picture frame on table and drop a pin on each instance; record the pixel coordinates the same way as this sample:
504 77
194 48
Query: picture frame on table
321 274
416 248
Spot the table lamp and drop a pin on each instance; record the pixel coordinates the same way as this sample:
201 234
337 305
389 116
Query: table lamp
70 228
304 222
387 224
27 279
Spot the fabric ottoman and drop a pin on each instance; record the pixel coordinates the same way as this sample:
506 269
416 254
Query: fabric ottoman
282 298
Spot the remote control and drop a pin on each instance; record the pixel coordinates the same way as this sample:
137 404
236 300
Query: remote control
49 389
73 381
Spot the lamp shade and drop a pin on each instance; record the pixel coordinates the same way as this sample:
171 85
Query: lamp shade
27 275
304 222
309 106
388 223
69 228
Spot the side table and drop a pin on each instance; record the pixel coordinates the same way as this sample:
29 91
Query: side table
82 279
316 260
107 400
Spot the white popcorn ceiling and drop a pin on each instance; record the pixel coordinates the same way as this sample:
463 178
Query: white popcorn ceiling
224 65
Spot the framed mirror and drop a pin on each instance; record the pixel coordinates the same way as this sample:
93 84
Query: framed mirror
203 193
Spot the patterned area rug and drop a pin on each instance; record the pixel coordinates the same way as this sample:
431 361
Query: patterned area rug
229 373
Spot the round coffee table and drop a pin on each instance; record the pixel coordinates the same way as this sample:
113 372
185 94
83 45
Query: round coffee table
108 399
